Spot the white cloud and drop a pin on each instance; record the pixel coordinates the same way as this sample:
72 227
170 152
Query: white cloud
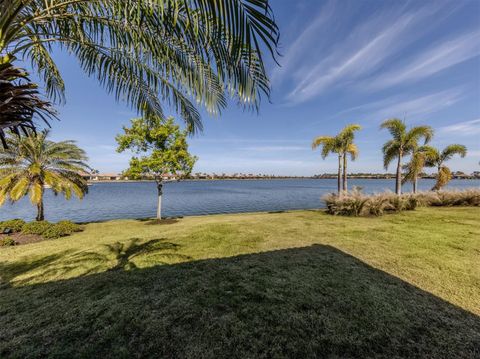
432 61
466 128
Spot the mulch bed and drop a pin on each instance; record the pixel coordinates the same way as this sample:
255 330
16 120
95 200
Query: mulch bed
20 238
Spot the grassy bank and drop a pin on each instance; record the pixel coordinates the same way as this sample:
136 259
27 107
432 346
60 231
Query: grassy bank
297 284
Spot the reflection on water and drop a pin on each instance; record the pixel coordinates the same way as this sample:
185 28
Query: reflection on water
138 199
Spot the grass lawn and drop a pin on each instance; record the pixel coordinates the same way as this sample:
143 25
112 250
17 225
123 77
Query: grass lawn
269 285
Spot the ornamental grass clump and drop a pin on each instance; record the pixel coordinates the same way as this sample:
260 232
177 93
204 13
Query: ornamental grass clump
347 203
355 203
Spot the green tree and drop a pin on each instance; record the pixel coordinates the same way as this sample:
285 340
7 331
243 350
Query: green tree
437 159
30 163
164 147
341 144
181 52
403 143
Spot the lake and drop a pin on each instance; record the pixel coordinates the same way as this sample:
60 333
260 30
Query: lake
138 199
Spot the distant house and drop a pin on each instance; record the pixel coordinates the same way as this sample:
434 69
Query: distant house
102 176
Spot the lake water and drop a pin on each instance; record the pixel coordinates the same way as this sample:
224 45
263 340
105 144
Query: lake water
138 199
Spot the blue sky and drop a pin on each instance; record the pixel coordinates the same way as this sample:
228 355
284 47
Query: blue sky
349 61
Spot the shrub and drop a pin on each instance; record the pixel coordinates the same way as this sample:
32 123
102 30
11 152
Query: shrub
7 241
38 227
15 225
61 229
70 227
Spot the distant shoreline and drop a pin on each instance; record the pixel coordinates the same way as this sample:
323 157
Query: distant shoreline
264 179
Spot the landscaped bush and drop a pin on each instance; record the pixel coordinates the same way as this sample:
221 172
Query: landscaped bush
15 225
355 203
61 229
38 227
8 241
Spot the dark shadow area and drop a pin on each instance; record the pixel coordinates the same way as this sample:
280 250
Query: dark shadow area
275 212
308 302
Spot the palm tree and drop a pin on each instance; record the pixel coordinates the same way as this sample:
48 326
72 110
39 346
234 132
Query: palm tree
20 103
346 137
414 167
437 159
329 145
30 163
182 52
403 143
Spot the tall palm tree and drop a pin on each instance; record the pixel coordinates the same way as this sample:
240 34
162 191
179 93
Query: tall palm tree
346 137
180 52
30 163
331 144
437 159
20 103
403 143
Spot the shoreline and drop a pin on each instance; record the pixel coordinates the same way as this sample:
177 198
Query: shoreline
263 179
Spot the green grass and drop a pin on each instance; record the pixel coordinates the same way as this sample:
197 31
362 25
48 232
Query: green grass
283 285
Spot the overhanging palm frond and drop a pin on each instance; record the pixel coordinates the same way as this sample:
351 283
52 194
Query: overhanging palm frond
20 104
205 49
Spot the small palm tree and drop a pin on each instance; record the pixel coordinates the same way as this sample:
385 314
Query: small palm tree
341 144
30 163
414 168
329 145
437 159
346 137
403 143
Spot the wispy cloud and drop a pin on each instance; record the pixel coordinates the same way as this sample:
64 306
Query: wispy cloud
437 58
364 51
466 128
274 148
408 107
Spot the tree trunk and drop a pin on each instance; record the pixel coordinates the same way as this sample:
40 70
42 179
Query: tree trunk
345 189
414 183
40 211
398 184
160 192
339 175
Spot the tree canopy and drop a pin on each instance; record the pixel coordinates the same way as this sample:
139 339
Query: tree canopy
161 146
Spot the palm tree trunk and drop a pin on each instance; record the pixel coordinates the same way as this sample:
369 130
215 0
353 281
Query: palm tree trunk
345 189
414 184
339 175
159 201
40 210
398 183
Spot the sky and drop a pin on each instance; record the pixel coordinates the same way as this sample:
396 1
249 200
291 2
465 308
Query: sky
345 61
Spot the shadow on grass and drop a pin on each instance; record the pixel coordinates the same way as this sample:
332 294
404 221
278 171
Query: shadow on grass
297 303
